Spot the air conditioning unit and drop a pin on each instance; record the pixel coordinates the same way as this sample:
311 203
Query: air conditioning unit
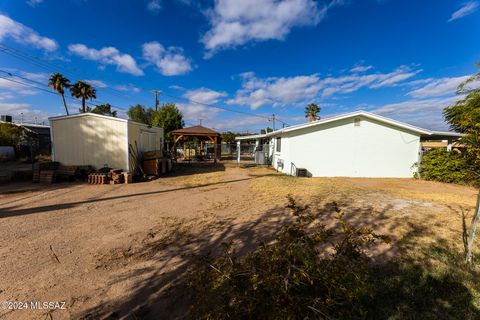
302 172
280 163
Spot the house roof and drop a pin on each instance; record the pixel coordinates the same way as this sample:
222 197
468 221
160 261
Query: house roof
196 130
421 131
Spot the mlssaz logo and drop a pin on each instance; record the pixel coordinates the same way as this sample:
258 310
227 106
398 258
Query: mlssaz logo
47 305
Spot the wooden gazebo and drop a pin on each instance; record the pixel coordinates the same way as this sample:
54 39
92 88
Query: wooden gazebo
203 134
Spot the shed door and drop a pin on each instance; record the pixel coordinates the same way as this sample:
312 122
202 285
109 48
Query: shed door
148 142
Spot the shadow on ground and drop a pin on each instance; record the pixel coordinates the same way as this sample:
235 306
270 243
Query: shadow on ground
186 168
14 210
403 288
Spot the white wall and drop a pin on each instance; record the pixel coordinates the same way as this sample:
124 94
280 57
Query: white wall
90 140
340 148
95 140
146 138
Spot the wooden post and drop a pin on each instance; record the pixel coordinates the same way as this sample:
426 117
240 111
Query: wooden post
184 151
215 150
238 151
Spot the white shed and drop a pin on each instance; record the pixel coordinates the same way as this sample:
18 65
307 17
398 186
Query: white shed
357 144
98 140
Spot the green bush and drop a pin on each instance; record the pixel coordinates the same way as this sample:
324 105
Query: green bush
309 271
10 134
313 272
444 166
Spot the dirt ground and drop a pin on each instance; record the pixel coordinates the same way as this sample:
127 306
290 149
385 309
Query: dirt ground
113 251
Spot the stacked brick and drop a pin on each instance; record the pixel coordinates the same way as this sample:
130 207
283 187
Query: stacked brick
45 171
114 176
98 178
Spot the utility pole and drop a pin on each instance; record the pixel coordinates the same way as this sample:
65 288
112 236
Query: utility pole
273 120
200 121
156 92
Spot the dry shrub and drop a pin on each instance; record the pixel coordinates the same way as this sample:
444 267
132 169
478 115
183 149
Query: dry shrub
308 271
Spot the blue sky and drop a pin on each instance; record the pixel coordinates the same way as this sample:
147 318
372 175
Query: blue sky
399 58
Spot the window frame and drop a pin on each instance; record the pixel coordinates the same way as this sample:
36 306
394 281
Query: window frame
278 144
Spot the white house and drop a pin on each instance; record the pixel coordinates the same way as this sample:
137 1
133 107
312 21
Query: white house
98 140
357 144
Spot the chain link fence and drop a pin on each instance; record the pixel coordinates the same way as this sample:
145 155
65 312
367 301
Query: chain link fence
194 151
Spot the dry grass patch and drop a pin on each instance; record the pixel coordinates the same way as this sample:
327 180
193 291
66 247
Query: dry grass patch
417 213
196 179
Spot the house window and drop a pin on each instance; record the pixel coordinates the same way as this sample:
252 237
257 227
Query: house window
279 144
357 122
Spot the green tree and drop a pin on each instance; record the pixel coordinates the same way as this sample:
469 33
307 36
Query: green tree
229 137
312 111
84 91
59 83
169 118
264 131
10 134
104 109
464 117
140 114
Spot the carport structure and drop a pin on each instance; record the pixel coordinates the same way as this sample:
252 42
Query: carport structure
204 136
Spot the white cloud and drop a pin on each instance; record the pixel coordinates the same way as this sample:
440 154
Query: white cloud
154 6
204 95
29 113
34 3
193 111
129 87
466 9
36 76
97 83
279 91
24 35
6 96
234 23
360 69
438 87
425 113
169 62
241 123
16 87
108 56
275 91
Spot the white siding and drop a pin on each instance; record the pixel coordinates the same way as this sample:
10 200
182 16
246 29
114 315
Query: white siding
145 138
95 140
90 140
373 149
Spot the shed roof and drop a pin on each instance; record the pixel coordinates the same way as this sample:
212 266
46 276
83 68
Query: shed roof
91 114
197 130
421 131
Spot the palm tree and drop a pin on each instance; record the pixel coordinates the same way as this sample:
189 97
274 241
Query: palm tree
312 111
84 91
59 83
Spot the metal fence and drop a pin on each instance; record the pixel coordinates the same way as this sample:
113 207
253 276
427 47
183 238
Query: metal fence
206 151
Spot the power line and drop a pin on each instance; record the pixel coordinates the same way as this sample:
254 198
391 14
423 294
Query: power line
45 90
47 66
51 67
214 106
